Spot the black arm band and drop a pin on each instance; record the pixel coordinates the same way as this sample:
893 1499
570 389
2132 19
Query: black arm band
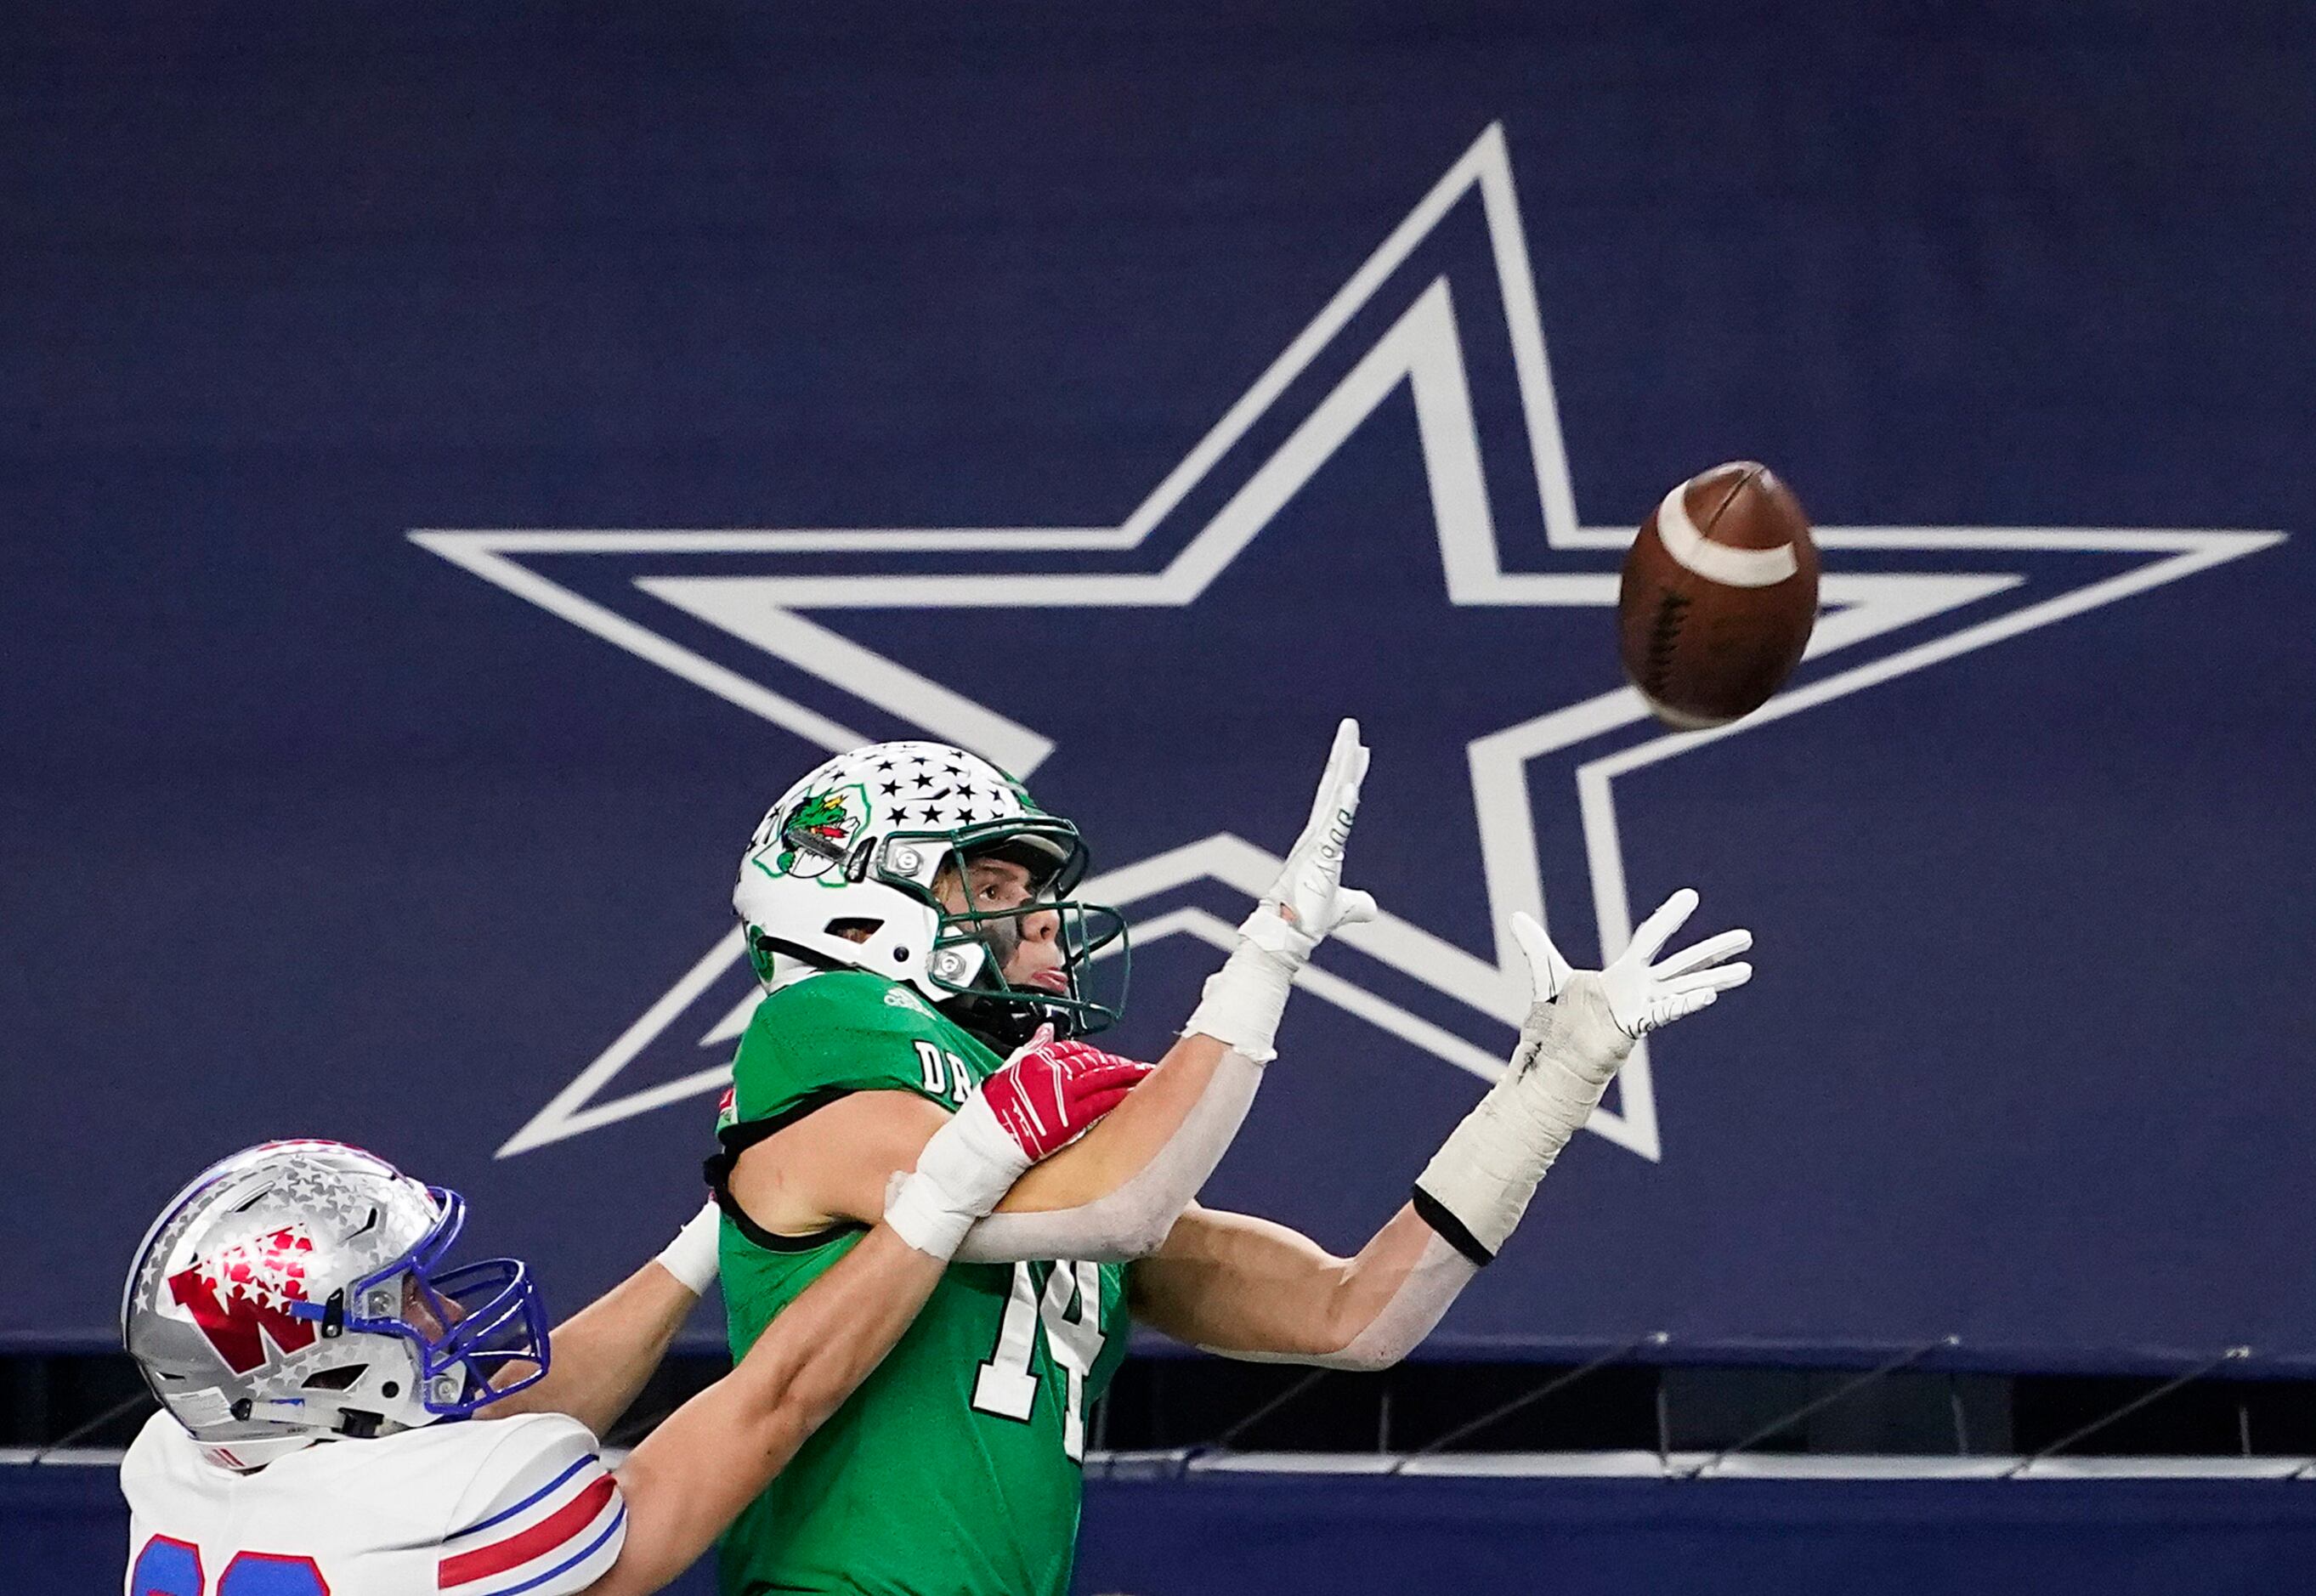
1434 1213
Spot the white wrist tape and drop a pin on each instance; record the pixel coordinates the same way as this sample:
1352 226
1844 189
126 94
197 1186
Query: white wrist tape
964 1171
691 1257
1487 1169
1242 1002
1134 1219
1269 929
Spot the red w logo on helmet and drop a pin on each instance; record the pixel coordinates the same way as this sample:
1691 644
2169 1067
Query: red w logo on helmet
246 1290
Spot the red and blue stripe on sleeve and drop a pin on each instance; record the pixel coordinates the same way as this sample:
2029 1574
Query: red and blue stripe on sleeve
559 1539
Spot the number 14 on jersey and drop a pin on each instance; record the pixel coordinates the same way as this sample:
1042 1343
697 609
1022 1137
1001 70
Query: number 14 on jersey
1070 1306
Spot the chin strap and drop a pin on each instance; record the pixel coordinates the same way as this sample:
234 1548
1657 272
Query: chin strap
996 1026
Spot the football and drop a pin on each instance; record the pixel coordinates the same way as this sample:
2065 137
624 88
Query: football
1719 596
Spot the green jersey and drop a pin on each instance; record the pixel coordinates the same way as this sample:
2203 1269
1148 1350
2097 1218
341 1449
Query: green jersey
955 1469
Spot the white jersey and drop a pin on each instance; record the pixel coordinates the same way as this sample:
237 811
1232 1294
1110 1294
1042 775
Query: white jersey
479 1508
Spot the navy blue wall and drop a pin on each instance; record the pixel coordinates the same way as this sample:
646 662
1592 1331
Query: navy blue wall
1906 1538
308 827
1611 1538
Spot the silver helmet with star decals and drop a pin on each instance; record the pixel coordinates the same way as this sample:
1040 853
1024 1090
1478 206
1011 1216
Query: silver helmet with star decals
867 863
299 1289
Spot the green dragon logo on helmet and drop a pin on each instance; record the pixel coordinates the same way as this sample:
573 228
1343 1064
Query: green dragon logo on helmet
813 837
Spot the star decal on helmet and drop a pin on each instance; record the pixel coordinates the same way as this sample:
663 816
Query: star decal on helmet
245 1290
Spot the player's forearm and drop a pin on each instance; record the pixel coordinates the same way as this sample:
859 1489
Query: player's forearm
1473 1193
693 1474
1247 1288
603 1354
1374 1280
1117 1193
1124 1143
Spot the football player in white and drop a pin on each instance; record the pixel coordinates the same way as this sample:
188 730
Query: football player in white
315 1353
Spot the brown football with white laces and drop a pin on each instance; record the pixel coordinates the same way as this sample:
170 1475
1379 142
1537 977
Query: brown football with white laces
1719 596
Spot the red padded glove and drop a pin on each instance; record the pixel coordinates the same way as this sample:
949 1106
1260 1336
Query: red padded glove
1050 1092
1040 1101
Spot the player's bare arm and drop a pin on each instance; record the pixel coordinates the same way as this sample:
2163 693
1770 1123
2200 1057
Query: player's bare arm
697 1470
1251 1287
295 1313
693 1473
836 1165
908 908
1247 1287
1117 1192
606 1352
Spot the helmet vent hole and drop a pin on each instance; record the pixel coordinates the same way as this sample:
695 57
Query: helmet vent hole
340 1379
253 1199
392 1388
366 1225
853 930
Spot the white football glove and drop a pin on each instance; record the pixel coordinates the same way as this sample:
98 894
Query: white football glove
1243 1001
1309 900
1579 1032
1636 994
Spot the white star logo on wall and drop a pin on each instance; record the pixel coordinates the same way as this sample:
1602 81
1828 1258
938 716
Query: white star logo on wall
1032 568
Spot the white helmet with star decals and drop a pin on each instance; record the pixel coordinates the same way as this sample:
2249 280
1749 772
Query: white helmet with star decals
300 1289
845 871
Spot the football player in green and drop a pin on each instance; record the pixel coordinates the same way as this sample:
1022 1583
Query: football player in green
908 909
